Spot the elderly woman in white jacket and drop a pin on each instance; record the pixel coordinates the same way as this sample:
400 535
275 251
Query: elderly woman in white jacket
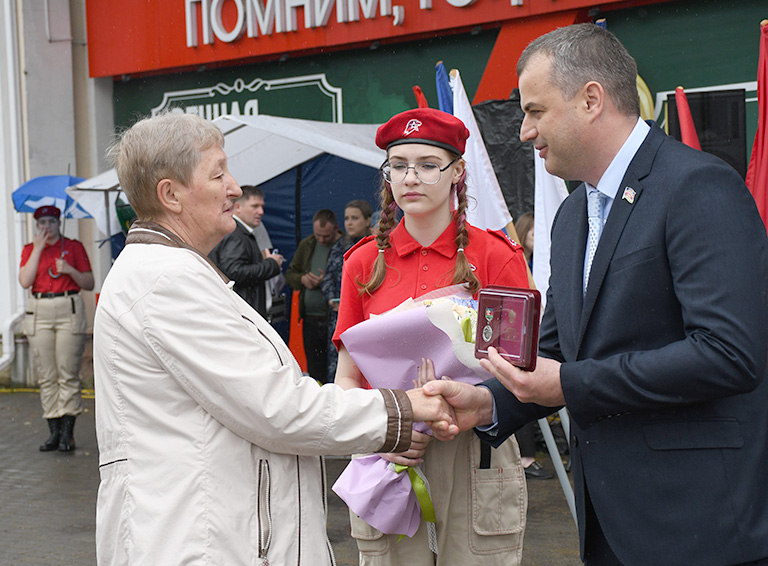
208 434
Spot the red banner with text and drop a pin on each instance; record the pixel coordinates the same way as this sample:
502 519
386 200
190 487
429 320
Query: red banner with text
140 36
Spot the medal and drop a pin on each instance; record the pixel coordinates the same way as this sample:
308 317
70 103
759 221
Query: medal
487 330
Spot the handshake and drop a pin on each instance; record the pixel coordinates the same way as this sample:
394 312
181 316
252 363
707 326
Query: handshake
450 407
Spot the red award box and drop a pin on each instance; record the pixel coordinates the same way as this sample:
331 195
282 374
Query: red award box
508 320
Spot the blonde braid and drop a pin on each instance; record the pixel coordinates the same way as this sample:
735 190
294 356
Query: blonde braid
386 224
462 271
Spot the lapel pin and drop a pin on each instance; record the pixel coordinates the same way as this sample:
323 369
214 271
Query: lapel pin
629 195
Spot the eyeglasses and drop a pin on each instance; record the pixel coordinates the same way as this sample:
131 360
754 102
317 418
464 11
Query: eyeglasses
427 172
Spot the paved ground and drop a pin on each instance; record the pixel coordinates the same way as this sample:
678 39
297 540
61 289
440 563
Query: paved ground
47 500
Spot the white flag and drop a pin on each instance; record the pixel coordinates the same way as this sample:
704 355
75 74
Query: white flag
550 191
486 207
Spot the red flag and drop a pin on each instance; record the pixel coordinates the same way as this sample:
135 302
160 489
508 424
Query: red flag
757 173
421 100
687 127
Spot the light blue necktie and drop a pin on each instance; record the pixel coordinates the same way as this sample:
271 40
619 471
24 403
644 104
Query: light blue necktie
595 202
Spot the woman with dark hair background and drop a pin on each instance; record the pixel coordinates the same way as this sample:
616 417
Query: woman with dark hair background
357 224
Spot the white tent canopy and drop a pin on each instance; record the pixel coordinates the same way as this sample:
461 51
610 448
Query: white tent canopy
262 147
97 195
258 149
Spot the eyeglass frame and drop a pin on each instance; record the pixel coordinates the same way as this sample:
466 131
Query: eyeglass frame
415 172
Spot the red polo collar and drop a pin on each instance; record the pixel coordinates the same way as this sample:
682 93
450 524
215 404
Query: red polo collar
404 244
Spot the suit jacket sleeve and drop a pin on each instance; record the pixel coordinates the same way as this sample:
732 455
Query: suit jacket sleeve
511 413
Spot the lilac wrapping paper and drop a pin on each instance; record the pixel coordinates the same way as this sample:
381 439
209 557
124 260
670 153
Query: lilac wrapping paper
379 495
388 350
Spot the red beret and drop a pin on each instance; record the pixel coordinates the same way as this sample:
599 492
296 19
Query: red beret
424 125
47 210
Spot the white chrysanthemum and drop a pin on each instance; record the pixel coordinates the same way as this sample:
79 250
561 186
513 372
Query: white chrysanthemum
465 315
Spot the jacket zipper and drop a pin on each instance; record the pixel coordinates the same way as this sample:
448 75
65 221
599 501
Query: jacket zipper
277 352
273 346
324 483
264 513
298 486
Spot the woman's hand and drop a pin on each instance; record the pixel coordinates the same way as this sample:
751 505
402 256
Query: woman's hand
426 373
63 267
414 455
41 237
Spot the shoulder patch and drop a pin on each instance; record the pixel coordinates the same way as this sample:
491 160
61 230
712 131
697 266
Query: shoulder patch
358 245
500 234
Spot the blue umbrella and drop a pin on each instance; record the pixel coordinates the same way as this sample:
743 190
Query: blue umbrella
49 190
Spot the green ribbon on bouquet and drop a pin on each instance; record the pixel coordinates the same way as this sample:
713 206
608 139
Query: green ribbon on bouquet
466 330
421 491
425 503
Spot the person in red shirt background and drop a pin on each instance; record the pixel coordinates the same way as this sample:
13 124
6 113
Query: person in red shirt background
479 494
56 269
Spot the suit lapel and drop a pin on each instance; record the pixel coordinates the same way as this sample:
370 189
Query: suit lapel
627 197
575 256
614 226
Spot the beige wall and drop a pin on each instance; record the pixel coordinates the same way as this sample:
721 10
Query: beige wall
54 120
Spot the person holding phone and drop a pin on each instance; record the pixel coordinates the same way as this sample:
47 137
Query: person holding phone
56 268
305 273
239 256
357 223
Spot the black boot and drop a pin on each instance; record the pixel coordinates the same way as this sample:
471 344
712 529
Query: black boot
54 425
67 441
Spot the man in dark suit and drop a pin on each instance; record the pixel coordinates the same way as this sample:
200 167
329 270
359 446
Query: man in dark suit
655 333
238 254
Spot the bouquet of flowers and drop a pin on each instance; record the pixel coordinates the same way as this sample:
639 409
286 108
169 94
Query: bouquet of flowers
388 350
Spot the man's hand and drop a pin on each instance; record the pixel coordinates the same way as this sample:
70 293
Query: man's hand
414 455
433 409
311 280
472 406
277 257
541 386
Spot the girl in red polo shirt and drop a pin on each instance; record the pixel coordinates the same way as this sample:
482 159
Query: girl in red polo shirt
480 507
56 268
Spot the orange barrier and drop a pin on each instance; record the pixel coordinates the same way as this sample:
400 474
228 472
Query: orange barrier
296 335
